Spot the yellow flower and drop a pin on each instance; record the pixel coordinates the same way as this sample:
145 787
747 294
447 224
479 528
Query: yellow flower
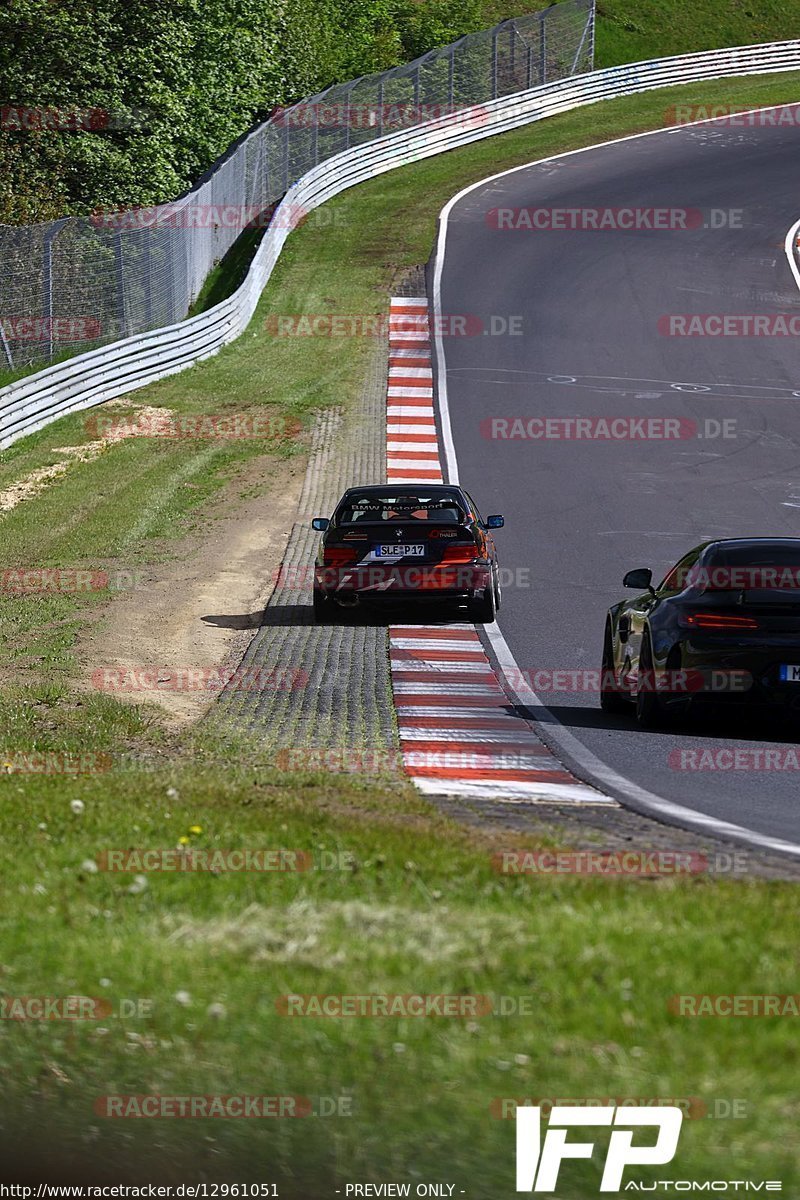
195 829
183 841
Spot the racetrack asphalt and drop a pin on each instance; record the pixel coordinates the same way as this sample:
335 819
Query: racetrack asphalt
579 513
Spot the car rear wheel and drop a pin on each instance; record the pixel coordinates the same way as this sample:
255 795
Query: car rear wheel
649 709
610 699
483 610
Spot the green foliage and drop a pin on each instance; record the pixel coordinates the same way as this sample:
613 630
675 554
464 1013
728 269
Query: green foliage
180 81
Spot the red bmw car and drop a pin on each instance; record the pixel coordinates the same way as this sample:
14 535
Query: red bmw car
398 544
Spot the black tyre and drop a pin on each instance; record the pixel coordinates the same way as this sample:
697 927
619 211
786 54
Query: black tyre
483 610
611 701
322 607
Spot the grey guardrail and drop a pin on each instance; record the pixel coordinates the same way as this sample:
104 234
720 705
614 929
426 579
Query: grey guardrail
122 367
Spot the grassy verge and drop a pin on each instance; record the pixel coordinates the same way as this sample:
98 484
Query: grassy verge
415 907
633 30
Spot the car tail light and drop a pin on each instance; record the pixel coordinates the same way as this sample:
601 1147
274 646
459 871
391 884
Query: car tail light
339 556
717 620
459 554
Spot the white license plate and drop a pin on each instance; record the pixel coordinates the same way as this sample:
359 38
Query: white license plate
399 551
790 672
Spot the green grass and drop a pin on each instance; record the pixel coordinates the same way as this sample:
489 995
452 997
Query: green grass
633 30
421 911
416 908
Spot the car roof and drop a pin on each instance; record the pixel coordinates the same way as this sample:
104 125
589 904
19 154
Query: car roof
752 541
412 489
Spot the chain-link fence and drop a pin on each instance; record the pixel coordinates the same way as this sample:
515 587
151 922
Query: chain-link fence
72 284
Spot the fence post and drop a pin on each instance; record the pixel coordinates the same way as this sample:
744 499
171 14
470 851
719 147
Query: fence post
494 63
512 60
5 345
315 134
47 280
285 158
588 28
347 119
542 50
120 283
380 108
451 80
592 25
148 279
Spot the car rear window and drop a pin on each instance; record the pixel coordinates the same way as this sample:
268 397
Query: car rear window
768 565
394 506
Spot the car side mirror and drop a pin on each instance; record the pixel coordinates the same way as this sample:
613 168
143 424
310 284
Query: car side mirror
641 579
320 524
495 522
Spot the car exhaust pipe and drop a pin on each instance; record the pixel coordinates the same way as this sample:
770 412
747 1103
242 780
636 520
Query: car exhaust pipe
348 600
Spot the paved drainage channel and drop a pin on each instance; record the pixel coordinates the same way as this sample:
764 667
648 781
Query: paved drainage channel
332 684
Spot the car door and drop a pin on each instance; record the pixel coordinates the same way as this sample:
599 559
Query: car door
490 549
643 609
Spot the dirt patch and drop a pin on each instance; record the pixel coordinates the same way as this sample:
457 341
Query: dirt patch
36 481
193 616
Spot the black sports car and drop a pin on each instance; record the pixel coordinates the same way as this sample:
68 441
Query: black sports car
397 543
722 626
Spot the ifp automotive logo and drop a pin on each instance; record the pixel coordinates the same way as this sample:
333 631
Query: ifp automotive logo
538 1163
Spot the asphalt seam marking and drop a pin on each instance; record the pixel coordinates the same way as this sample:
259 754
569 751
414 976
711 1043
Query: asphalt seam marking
459 732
